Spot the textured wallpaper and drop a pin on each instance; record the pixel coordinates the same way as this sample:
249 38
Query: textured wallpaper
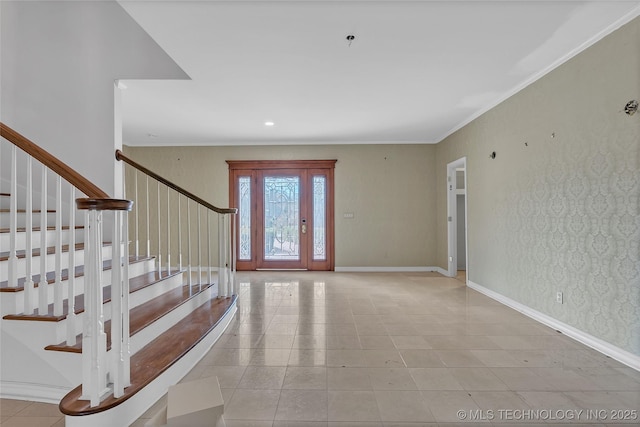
558 209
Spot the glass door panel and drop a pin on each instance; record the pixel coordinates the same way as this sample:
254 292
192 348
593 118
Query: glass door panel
281 218
319 218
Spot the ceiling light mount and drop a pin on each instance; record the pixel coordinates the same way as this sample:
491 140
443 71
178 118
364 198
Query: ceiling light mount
350 38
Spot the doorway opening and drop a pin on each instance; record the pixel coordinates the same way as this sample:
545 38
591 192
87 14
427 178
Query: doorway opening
285 215
457 219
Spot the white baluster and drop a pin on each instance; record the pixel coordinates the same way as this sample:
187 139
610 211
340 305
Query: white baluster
57 287
208 247
71 285
43 291
148 221
159 226
29 288
13 221
136 213
222 285
94 340
189 241
199 248
168 233
234 222
116 308
179 234
126 348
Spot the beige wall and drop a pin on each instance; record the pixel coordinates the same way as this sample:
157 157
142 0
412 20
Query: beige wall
389 188
561 214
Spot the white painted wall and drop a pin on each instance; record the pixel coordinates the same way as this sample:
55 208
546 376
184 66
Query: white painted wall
58 63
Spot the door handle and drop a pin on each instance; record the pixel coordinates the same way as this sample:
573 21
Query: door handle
304 228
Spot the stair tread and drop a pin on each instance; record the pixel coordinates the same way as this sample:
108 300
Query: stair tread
50 275
49 228
4 256
135 284
142 315
157 356
24 211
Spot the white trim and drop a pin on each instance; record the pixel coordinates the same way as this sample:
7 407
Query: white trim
387 269
621 355
33 392
537 76
452 212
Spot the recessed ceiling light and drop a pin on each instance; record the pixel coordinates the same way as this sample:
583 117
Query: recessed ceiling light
269 123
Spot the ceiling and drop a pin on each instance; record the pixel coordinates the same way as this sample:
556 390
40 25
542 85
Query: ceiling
415 72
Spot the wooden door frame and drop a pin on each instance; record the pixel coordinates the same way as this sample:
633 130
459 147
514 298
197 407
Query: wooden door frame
239 168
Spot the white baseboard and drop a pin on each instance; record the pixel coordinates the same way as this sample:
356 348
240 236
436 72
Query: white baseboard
33 392
621 355
388 269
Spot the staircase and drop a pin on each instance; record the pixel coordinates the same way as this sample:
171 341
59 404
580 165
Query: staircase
68 293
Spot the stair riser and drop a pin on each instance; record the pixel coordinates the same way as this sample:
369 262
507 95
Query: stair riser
21 263
21 239
21 219
161 325
13 302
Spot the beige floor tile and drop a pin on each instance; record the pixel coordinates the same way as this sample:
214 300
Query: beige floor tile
405 342
353 406
348 379
435 379
37 409
276 341
552 400
421 359
228 376
262 377
305 378
345 358
302 405
252 405
343 342
478 379
383 358
10 407
406 406
459 358
391 379
270 357
522 379
285 423
247 423
371 329
376 342
451 406
310 342
499 359
31 421
309 357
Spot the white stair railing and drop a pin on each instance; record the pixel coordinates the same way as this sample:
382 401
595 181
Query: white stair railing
99 375
199 232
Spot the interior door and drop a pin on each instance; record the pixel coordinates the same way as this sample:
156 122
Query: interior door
285 214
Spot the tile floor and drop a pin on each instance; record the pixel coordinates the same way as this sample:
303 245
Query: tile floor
381 350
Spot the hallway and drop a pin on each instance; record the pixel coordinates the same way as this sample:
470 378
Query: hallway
400 349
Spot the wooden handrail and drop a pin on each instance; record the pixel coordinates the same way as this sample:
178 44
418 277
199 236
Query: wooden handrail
53 163
122 157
